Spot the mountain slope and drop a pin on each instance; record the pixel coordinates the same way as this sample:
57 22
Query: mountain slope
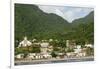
84 29
32 22
87 19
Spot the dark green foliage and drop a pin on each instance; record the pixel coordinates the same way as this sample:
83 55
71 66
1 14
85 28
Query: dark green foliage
54 54
62 44
18 50
25 53
84 33
56 49
26 50
35 50
70 50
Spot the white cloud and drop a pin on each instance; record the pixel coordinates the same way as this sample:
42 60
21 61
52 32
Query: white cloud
69 16
68 13
58 12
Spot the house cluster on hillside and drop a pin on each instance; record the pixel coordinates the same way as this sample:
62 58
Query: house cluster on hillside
46 49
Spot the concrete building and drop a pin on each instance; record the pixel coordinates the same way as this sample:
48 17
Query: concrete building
44 47
70 43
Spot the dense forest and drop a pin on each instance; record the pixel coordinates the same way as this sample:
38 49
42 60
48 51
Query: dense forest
30 21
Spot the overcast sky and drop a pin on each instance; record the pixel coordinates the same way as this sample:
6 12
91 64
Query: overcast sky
68 13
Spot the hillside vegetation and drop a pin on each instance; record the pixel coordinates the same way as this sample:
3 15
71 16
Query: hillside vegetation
30 21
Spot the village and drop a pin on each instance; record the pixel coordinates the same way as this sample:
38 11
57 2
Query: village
46 50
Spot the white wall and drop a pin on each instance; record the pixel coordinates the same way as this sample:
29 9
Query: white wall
5 36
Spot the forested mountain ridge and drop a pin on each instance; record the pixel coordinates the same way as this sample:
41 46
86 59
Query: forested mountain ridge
30 21
87 19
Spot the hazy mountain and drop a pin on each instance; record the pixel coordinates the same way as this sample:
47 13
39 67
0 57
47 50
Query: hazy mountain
87 19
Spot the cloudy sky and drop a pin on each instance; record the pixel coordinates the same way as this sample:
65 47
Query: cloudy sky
68 13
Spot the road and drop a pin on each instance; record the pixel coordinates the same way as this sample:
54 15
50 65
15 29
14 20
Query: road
44 61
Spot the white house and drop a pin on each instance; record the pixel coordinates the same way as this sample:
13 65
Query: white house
34 56
50 40
34 40
36 43
89 45
81 54
25 43
79 51
67 43
50 48
70 54
19 56
78 46
44 47
47 56
70 43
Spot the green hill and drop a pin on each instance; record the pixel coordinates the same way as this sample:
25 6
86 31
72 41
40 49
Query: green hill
30 21
84 28
87 19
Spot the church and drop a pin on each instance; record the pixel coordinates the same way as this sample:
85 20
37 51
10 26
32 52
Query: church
25 43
